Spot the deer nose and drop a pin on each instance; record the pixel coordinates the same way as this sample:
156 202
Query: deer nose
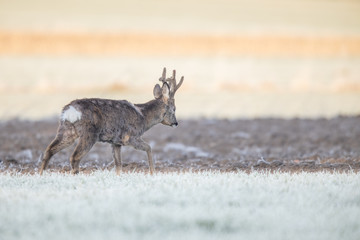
174 124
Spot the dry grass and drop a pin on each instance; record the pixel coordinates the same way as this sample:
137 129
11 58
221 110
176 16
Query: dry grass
67 43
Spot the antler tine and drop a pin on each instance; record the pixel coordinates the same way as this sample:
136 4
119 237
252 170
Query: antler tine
178 85
163 77
172 82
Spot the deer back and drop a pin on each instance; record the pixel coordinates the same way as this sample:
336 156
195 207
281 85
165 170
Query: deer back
109 120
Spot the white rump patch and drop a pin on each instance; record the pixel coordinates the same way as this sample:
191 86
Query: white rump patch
71 114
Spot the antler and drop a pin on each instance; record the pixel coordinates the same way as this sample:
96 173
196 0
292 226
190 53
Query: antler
163 77
171 82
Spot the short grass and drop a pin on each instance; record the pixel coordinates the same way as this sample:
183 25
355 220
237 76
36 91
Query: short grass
207 205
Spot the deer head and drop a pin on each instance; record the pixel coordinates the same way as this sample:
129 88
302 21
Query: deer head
167 93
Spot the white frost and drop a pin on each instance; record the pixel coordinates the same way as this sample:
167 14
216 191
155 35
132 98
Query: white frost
240 135
25 155
71 114
191 206
187 149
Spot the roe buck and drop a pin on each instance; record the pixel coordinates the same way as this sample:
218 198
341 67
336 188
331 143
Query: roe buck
120 123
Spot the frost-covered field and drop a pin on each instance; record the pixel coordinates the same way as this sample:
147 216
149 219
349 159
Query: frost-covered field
207 205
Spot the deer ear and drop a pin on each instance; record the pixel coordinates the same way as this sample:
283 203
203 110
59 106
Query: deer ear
165 91
157 91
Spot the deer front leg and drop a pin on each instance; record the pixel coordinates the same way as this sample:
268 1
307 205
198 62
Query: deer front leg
117 158
139 144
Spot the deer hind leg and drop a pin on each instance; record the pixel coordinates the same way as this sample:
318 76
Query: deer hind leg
64 138
86 142
139 144
116 149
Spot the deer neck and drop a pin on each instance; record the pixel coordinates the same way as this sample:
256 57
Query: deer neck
153 112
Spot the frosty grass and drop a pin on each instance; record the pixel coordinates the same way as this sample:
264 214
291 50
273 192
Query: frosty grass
208 205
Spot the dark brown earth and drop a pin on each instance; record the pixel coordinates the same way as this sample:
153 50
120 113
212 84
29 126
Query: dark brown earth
289 145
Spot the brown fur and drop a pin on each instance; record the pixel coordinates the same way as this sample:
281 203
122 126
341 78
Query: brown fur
118 122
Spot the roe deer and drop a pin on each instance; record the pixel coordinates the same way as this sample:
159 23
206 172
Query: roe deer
118 122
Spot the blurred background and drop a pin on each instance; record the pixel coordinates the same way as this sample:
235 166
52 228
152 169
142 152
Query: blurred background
240 59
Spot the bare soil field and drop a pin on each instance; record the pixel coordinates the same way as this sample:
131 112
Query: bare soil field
288 145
